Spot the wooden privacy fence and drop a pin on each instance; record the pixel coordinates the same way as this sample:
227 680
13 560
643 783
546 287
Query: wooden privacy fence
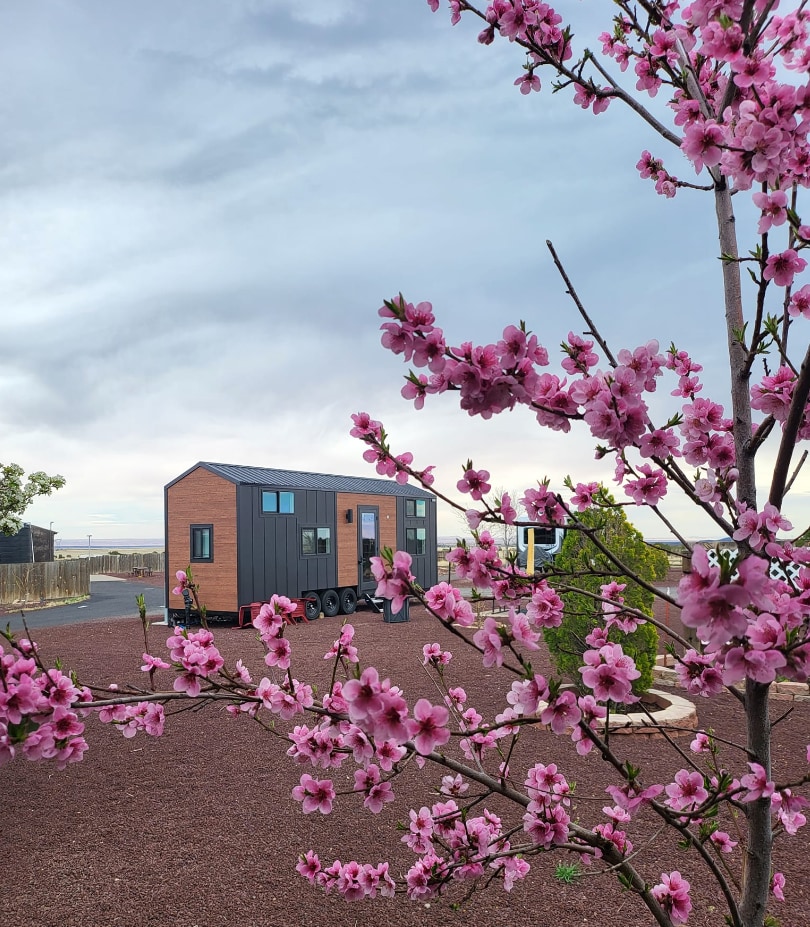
34 583
126 563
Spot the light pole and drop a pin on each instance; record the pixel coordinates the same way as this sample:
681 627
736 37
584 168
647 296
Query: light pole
88 544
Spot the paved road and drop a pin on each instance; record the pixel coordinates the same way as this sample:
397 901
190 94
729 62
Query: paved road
109 598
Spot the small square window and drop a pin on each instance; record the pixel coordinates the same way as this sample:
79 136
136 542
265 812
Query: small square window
278 503
316 540
202 543
286 503
415 508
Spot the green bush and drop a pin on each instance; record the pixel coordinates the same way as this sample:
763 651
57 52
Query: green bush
581 565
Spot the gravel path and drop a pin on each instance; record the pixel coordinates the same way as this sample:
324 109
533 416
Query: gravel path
198 828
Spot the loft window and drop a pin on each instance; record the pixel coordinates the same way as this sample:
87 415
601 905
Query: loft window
316 540
202 543
415 508
416 541
277 503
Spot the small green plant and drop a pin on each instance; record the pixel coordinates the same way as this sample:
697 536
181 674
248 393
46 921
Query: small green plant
567 873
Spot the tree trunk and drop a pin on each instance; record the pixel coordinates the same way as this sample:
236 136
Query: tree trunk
757 872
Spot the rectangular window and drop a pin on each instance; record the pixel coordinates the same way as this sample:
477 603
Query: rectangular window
416 541
202 543
316 540
542 535
415 508
277 503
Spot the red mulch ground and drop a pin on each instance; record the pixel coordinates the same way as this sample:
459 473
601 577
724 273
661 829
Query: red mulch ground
198 828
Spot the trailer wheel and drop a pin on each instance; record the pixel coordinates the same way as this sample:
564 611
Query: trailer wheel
348 601
313 606
330 603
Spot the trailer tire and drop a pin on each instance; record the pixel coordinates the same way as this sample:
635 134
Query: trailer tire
348 601
313 606
330 603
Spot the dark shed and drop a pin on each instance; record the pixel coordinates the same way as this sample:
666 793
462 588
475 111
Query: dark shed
250 532
30 544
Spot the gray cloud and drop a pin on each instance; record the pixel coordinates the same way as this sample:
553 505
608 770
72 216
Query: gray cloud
202 207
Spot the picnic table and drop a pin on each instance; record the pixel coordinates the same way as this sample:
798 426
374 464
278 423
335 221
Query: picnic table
141 571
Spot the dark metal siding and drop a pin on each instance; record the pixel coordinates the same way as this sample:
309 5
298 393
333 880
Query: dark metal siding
269 546
424 568
17 547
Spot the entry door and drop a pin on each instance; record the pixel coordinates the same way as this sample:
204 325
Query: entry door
368 544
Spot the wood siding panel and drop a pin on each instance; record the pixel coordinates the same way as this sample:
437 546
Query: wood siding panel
347 546
201 498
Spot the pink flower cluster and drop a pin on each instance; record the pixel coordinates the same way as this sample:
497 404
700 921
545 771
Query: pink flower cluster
394 577
672 893
613 615
148 717
449 604
773 395
39 709
195 657
352 880
481 565
546 819
270 622
609 673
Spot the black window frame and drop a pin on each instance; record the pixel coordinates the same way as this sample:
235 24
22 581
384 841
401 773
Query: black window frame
277 493
198 529
544 535
316 539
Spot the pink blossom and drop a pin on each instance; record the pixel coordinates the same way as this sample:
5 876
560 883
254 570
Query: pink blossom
309 864
314 794
278 653
609 672
650 488
582 499
152 663
628 796
672 893
757 783
366 426
428 728
686 792
433 654
528 82
800 302
475 483
782 267
701 144
701 743
562 713
490 639
778 886
773 208
722 841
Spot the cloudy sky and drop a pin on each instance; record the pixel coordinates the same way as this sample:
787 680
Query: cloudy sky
203 204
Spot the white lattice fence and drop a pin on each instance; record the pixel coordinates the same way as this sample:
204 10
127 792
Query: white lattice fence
788 572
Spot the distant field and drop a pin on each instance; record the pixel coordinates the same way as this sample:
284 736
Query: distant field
70 553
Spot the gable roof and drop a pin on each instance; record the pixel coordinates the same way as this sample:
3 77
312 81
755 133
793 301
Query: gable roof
296 479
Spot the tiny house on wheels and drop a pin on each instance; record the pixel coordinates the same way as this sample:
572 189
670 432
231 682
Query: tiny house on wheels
250 532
